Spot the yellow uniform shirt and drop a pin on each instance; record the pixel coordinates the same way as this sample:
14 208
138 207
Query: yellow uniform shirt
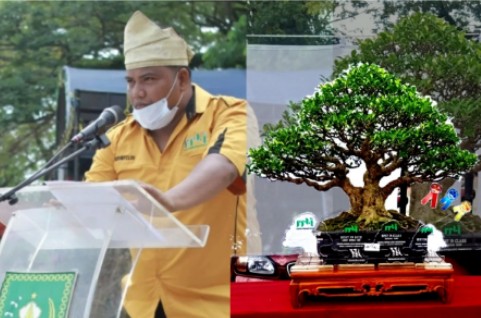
190 282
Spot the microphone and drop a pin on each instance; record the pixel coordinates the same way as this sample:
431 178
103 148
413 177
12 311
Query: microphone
109 117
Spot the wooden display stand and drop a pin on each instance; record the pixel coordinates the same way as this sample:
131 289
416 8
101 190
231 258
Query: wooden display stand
354 280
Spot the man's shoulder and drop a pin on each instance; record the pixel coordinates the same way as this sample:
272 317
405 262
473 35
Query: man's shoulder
215 99
232 101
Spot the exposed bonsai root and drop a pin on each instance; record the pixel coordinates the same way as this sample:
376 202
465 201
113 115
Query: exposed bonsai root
368 223
368 220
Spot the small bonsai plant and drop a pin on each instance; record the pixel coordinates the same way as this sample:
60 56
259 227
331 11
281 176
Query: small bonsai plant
366 117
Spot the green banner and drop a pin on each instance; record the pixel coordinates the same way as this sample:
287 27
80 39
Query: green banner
35 295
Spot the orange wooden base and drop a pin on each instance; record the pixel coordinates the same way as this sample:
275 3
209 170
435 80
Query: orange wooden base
370 280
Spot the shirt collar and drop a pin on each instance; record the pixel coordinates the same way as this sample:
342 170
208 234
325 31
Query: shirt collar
190 108
198 102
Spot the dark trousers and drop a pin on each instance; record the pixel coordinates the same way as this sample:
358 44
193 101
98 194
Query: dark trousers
159 313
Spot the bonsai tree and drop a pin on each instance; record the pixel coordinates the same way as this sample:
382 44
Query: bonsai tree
364 117
441 61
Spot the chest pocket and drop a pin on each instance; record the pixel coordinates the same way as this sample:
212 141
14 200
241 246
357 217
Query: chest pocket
135 170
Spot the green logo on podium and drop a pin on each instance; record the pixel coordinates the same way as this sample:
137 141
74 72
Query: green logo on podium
35 295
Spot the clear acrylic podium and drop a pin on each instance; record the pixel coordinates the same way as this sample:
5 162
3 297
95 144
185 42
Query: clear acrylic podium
95 229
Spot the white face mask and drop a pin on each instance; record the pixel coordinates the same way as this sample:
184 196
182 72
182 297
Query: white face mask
157 115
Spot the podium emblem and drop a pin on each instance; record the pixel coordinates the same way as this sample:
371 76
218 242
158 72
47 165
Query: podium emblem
35 295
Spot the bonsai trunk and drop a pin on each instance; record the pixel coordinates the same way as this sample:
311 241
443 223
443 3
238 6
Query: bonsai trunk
369 206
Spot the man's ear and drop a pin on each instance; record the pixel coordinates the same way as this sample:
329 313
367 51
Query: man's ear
184 78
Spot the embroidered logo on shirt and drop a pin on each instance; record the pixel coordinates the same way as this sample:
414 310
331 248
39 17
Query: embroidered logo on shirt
196 141
124 157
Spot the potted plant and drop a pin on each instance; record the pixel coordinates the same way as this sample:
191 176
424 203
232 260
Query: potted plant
366 118
442 61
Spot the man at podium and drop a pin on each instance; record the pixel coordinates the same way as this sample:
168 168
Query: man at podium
188 148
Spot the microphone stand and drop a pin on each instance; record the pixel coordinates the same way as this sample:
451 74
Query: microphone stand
98 142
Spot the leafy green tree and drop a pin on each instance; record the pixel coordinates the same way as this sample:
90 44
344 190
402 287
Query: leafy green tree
226 47
434 56
365 117
281 22
231 51
465 15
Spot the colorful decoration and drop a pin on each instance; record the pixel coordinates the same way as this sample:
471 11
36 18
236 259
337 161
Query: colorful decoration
461 210
433 195
449 198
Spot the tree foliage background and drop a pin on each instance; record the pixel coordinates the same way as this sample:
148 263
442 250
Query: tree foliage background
439 60
291 22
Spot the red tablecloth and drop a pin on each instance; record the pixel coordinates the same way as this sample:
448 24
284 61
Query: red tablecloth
271 299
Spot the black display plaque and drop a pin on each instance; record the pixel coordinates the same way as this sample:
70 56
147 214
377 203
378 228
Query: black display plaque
390 244
457 238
